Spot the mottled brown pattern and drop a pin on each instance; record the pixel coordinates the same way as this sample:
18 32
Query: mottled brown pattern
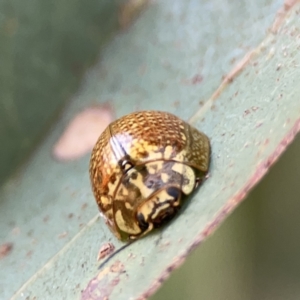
139 138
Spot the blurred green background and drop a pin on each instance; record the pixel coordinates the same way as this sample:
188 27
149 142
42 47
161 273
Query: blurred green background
45 47
43 55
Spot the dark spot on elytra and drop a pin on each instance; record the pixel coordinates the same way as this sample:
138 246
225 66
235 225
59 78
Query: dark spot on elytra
113 178
174 192
150 184
105 190
133 176
142 223
143 154
153 181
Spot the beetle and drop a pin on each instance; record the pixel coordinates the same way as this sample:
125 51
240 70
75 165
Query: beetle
142 168
105 250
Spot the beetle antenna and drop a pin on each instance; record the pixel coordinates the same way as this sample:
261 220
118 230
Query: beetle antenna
115 253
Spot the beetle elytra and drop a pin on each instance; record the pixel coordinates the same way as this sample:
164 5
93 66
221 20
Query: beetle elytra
142 167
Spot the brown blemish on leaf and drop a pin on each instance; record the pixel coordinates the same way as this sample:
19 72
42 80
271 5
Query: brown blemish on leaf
117 267
246 112
196 79
103 285
29 254
82 133
84 206
259 124
105 250
46 219
63 235
176 103
278 67
5 249
131 255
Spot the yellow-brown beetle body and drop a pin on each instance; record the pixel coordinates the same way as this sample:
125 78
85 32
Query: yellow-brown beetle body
142 167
